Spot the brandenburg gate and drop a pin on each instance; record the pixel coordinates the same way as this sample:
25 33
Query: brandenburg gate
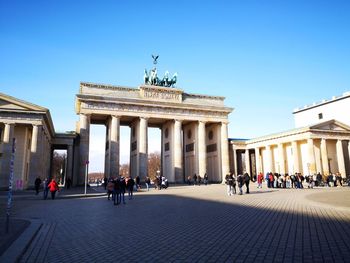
193 127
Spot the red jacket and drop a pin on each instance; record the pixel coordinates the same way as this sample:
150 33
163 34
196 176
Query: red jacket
53 186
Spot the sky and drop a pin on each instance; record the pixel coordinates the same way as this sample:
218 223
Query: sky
266 57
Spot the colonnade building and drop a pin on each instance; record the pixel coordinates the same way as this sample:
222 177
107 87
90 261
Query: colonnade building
320 143
194 132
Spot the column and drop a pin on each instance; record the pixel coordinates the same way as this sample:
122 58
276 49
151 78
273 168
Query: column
35 157
257 161
349 150
324 157
69 173
202 165
142 150
234 160
6 155
114 146
281 159
225 161
311 157
247 161
84 132
296 165
178 170
269 159
34 144
340 158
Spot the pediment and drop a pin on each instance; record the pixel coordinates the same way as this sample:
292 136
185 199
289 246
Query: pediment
13 104
331 125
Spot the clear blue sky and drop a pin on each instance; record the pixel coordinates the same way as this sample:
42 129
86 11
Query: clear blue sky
265 57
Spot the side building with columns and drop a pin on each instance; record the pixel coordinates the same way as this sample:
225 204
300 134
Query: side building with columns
35 139
320 143
194 136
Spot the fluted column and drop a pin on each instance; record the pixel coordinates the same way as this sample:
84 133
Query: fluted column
247 162
6 155
178 151
225 161
311 156
202 153
340 158
324 157
114 146
257 161
34 144
70 162
269 159
281 159
84 132
35 157
142 151
296 164
235 160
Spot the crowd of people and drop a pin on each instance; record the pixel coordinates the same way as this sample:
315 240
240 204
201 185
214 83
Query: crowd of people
197 180
297 180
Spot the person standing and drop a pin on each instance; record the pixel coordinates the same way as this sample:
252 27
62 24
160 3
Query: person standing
247 181
229 183
122 189
45 188
37 184
147 182
205 179
195 179
53 187
240 182
130 186
137 181
260 179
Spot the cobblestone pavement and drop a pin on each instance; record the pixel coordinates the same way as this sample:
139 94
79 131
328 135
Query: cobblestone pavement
192 224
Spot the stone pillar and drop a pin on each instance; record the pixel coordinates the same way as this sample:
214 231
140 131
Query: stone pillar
142 150
296 164
84 133
114 146
70 154
34 144
324 157
234 160
340 158
281 159
269 159
6 155
225 161
178 170
257 161
247 162
202 164
311 156
35 169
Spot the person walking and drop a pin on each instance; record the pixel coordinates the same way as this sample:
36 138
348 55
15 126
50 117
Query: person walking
37 184
53 187
247 181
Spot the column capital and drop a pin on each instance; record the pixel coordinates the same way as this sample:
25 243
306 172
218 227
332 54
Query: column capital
178 120
225 122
